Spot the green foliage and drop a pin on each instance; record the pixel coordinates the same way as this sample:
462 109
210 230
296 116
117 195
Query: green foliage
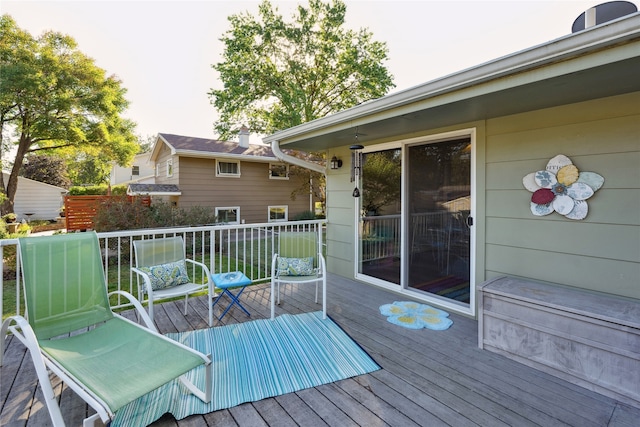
381 183
4 234
46 168
87 168
98 190
55 98
119 213
279 74
10 217
305 216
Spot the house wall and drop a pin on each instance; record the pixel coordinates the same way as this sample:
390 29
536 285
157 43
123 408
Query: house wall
42 200
124 175
253 191
161 161
601 252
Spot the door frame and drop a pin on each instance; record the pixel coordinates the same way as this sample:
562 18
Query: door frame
403 288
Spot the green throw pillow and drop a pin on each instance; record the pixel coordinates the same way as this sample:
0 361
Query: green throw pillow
167 275
295 266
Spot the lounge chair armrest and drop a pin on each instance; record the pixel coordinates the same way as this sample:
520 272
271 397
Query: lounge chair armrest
141 311
21 329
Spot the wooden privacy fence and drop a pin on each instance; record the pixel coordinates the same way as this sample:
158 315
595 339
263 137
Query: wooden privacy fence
81 210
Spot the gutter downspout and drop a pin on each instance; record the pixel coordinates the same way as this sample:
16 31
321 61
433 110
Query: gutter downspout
275 147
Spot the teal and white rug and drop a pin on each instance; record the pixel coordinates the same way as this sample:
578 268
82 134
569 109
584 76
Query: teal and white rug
255 360
413 315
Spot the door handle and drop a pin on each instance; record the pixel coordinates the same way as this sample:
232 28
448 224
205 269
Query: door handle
469 221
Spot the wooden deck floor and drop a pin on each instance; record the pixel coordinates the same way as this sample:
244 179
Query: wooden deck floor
429 378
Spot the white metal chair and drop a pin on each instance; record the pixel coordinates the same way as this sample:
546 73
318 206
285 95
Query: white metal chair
162 269
299 261
108 360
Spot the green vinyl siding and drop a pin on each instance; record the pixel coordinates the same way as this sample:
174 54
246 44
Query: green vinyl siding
601 252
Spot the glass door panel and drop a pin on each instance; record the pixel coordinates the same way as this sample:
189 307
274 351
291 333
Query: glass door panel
380 204
439 205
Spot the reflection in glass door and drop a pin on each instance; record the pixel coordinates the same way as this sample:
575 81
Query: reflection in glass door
439 207
380 225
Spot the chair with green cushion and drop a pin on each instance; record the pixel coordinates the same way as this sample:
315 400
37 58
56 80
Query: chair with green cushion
108 360
299 260
162 267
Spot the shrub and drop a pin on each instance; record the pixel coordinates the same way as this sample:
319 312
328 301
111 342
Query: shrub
98 190
3 230
10 217
304 216
118 213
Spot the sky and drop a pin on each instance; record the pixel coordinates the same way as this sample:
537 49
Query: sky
163 50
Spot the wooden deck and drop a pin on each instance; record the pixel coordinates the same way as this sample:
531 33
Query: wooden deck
429 378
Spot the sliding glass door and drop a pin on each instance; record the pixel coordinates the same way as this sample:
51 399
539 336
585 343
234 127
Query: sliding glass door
414 218
439 207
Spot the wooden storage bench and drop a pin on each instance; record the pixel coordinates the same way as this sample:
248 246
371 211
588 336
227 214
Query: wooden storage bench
587 338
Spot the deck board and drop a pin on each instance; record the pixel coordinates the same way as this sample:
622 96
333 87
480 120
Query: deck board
428 378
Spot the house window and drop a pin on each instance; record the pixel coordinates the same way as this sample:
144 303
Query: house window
278 213
228 215
278 171
135 170
157 169
225 168
170 167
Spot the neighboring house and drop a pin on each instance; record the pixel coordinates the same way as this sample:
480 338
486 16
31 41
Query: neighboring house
242 182
462 148
141 171
36 200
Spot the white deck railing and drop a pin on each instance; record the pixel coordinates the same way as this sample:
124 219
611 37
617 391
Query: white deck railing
246 247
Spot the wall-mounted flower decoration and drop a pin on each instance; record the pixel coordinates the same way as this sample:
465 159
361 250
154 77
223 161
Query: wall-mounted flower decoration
562 188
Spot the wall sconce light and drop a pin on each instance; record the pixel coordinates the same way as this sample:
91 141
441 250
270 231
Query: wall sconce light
356 166
335 163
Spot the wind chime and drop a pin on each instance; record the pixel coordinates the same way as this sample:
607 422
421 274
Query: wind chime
356 165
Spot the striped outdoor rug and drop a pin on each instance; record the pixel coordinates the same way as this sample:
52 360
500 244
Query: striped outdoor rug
253 361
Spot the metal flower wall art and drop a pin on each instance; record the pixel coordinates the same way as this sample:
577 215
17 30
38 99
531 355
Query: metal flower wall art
562 188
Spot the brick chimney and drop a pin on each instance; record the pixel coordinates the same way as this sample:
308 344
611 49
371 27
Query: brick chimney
244 137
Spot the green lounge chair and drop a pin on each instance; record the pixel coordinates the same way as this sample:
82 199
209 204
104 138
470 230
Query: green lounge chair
71 330
299 260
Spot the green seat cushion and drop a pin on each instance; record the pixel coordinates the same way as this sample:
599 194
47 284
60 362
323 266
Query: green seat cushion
120 362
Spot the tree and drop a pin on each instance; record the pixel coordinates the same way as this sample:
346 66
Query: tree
278 74
381 173
53 97
91 166
48 169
